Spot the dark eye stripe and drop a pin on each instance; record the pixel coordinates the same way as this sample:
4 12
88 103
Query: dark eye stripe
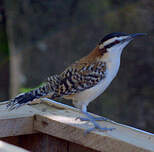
111 44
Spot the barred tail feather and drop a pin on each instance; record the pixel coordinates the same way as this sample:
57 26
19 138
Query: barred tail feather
25 98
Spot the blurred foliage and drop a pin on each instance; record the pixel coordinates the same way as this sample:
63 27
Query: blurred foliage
3 41
3 37
24 90
4 56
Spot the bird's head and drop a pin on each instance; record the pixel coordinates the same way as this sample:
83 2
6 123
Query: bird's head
117 41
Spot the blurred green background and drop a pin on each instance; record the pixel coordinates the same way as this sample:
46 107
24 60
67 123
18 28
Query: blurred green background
40 38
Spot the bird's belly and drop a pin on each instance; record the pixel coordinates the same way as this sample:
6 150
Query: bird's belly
90 94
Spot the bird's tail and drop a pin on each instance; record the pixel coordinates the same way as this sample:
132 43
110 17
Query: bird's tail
25 98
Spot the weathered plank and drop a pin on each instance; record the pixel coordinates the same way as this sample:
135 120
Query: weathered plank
42 142
106 141
5 147
17 122
78 148
60 121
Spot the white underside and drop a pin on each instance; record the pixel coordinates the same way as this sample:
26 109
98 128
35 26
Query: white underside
82 99
90 94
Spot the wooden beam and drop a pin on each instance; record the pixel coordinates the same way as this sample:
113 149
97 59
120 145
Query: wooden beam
120 140
5 147
45 143
59 120
17 122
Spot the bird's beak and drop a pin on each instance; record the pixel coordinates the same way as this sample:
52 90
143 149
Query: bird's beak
132 36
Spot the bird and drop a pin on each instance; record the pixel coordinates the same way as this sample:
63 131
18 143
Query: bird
85 79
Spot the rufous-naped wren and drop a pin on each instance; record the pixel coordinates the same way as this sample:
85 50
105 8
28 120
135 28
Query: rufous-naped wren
85 79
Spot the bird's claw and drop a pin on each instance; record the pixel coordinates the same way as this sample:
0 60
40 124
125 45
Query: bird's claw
99 128
94 118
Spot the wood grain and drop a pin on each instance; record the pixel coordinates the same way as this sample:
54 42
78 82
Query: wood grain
59 120
42 142
93 140
78 148
17 122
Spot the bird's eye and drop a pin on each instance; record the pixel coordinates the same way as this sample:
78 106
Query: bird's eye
116 42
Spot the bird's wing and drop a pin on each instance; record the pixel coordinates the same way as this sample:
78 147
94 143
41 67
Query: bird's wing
79 77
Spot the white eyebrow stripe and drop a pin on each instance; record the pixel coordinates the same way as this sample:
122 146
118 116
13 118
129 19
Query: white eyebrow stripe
109 41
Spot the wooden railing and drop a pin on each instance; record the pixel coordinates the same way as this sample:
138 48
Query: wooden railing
51 124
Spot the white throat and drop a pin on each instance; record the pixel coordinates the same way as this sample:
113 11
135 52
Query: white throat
112 59
114 53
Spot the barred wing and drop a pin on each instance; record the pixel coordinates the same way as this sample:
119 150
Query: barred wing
78 77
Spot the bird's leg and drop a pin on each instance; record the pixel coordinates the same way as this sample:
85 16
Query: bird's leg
100 118
96 125
92 119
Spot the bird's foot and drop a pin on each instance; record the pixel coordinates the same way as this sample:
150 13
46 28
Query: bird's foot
99 128
100 118
93 120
